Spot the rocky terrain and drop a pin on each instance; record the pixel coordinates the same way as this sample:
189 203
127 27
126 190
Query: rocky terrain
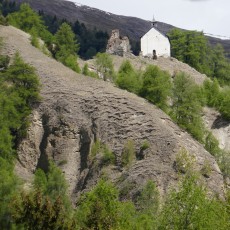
132 27
77 110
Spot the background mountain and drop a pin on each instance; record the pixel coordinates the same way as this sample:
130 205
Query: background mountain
132 27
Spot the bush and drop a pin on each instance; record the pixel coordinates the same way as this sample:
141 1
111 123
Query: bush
186 106
156 86
190 208
128 154
104 64
108 156
128 78
87 72
184 161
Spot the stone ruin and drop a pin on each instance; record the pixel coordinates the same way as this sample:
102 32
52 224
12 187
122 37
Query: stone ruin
118 46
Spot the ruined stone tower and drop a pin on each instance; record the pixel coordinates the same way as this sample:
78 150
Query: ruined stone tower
118 46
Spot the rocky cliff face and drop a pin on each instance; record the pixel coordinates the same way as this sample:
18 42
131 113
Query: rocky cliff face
77 110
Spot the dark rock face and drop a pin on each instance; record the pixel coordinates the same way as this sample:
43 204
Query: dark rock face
132 27
77 110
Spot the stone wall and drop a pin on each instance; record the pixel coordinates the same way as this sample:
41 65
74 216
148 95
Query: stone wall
118 46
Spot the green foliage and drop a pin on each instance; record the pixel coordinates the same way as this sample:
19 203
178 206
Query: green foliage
129 154
19 92
212 92
221 65
190 208
224 106
35 211
156 86
67 47
3 20
35 41
212 145
192 48
87 72
224 163
104 64
145 145
4 62
52 184
108 156
9 186
7 7
95 149
99 208
148 201
66 40
128 78
29 21
184 161
186 105
40 181
91 41
206 169
71 62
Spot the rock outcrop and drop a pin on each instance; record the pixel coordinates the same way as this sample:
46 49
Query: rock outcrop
219 127
77 110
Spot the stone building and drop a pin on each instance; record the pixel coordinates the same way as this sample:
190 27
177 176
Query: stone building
118 46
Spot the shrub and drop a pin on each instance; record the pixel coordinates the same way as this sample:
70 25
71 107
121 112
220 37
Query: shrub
108 156
104 64
184 161
128 154
156 86
145 145
128 78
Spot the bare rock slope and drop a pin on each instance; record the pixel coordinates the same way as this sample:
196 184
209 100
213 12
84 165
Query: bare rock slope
77 110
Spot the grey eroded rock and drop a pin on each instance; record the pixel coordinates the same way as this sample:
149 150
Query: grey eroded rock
77 110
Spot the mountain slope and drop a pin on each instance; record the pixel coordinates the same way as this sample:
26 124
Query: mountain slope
77 110
95 18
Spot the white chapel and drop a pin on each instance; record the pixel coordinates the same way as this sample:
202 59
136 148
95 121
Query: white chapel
155 42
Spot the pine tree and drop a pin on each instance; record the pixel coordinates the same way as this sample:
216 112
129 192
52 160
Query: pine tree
156 86
67 47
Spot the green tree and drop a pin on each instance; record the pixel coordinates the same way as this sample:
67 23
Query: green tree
212 92
29 21
104 64
19 92
190 208
192 48
52 184
224 107
221 65
35 211
67 47
99 208
156 86
128 78
148 203
186 105
9 186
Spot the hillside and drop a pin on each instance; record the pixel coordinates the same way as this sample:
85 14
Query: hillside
76 111
132 27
